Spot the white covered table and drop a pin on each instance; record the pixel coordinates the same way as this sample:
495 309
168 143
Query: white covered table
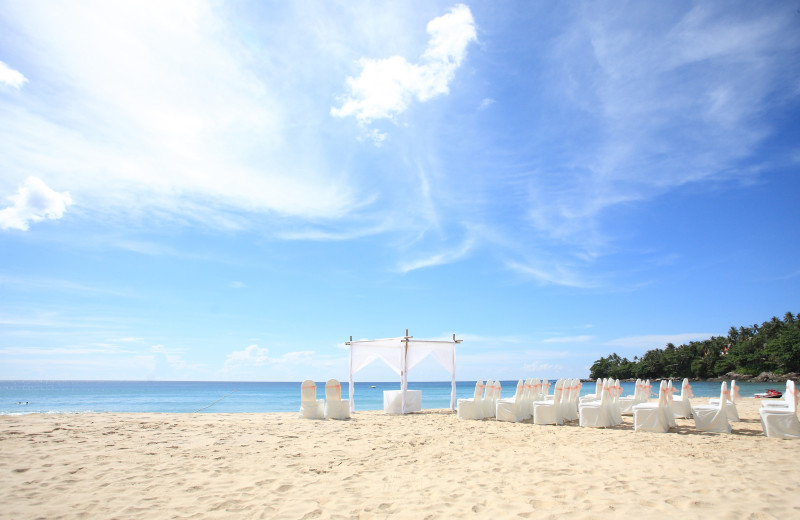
393 401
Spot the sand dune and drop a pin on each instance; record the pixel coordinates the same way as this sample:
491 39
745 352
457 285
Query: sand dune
424 465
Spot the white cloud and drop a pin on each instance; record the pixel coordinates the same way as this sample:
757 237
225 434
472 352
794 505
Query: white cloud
253 355
385 87
568 339
173 359
11 77
33 202
659 340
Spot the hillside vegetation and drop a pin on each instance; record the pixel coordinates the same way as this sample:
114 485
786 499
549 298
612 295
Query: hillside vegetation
773 346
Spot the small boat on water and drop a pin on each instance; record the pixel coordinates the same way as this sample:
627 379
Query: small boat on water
769 394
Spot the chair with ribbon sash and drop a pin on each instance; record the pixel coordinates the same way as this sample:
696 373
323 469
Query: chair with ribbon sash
550 411
598 391
536 395
647 391
782 423
335 406
569 399
546 395
525 406
614 408
670 416
654 417
597 414
310 406
784 403
713 418
511 409
626 403
472 408
491 395
681 404
730 405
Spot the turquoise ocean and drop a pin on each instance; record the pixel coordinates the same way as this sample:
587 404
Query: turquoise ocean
17 397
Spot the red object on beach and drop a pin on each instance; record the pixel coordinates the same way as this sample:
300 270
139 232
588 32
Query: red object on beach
769 394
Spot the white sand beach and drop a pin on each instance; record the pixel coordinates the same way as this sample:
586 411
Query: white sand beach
423 465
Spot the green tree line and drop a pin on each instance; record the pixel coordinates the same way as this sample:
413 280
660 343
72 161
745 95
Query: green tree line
774 346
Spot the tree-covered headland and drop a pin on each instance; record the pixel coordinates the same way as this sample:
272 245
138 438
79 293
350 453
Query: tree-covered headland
774 346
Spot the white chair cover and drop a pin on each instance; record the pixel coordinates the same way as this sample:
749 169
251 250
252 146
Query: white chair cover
597 414
670 416
614 408
569 404
598 390
472 408
654 417
626 402
550 412
310 406
335 406
713 418
490 402
546 396
511 409
537 392
733 413
681 404
782 423
488 389
783 403
527 400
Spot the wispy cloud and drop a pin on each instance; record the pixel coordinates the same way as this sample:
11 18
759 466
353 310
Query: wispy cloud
556 275
486 103
256 356
64 351
541 367
11 77
387 86
659 340
568 339
444 257
174 358
703 79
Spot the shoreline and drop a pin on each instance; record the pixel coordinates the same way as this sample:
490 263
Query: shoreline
422 465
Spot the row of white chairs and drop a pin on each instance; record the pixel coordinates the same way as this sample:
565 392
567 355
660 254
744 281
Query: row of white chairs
332 407
531 400
606 406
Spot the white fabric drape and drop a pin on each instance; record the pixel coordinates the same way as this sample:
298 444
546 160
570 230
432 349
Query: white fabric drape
402 355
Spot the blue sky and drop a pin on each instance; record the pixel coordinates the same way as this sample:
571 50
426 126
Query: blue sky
229 191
